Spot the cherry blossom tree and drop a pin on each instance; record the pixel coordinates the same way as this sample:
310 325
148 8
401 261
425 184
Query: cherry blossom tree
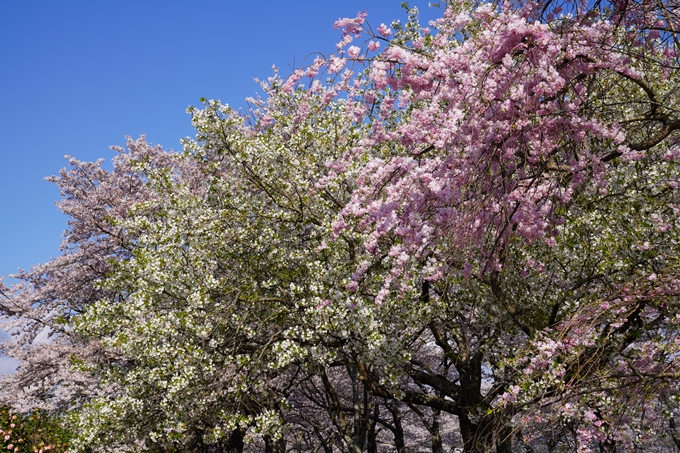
471 224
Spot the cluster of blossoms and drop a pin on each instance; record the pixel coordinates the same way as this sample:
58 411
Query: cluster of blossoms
30 433
471 224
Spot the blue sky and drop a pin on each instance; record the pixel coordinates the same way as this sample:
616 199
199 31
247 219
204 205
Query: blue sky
78 76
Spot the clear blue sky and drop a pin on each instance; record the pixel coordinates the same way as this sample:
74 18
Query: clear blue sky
78 76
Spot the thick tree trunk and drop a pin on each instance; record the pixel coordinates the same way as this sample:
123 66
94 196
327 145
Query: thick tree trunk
437 446
372 436
481 433
235 442
398 428
338 415
359 409
674 432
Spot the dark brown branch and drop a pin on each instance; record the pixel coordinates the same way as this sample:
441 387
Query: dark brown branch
408 396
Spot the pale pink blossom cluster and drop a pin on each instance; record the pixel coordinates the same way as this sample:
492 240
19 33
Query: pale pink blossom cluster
505 116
